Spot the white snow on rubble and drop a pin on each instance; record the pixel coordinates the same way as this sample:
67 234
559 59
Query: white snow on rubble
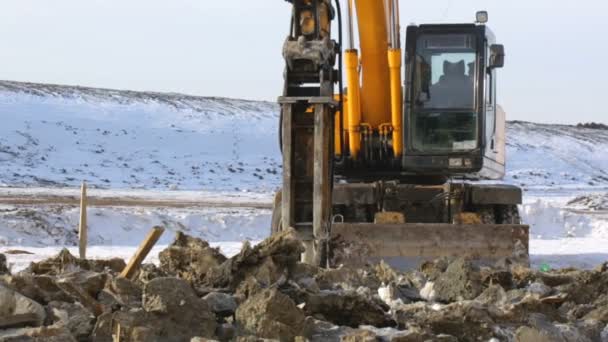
58 136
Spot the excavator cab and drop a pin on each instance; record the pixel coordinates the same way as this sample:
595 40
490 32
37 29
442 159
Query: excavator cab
381 169
450 108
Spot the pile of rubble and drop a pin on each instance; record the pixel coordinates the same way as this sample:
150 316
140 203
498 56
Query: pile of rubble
264 292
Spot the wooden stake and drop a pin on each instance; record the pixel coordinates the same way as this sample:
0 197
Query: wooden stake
142 252
82 227
117 332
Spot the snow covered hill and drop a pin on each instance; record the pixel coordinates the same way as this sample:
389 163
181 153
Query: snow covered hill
59 136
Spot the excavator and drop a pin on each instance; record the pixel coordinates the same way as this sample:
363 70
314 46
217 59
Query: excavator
401 163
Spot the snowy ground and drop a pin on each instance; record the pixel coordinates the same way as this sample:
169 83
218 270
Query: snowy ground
208 166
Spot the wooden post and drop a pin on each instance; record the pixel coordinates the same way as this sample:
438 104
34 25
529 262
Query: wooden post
142 252
82 227
288 192
117 332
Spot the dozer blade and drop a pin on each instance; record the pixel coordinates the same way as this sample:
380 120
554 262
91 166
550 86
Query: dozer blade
406 246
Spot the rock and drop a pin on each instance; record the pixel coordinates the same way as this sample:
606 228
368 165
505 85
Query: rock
268 262
345 278
3 265
604 334
461 320
460 281
91 282
527 334
493 295
14 303
226 332
102 332
271 314
148 272
348 308
125 292
42 289
433 269
248 288
54 333
66 262
174 298
78 320
541 324
360 336
416 336
539 290
497 277
571 333
189 258
223 305
385 273
599 314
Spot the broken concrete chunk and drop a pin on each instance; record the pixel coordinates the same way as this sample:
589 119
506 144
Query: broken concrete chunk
13 303
66 262
271 314
269 262
76 318
54 333
360 336
460 281
348 308
41 288
91 282
189 258
174 299
125 291
221 304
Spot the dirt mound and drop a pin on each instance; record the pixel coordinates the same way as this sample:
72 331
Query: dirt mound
264 292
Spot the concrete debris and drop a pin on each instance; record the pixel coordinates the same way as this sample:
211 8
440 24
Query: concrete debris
189 258
271 314
362 310
264 293
14 303
222 304
268 262
74 317
66 262
460 281
186 313
52 333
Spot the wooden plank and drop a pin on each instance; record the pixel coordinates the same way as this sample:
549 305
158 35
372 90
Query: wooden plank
117 332
322 182
82 227
142 252
288 196
17 321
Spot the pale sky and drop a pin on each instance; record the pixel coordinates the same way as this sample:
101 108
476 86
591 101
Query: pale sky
556 66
